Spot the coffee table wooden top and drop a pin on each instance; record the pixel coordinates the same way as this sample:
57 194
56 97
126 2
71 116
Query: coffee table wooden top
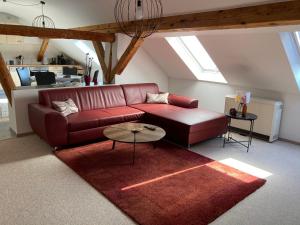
124 132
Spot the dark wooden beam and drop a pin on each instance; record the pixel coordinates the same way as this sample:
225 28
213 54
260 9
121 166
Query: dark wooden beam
265 15
134 45
51 33
101 55
6 80
43 49
109 75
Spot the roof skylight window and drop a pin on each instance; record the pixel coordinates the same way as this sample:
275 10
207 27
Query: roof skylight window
196 58
86 49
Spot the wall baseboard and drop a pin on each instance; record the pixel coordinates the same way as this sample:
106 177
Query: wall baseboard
289 141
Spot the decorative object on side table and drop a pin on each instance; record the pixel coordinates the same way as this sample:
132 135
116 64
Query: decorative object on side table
233 112
243 98
239 116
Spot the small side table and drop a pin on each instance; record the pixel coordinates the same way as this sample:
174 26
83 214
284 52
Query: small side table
248 117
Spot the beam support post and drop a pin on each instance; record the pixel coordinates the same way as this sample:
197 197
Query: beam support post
43 49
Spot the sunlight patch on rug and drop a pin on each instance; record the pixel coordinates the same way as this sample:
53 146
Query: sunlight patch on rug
246 168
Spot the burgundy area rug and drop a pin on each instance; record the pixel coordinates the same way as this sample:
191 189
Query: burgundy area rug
167 185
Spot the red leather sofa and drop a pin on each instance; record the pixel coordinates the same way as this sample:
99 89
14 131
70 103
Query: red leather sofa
102 106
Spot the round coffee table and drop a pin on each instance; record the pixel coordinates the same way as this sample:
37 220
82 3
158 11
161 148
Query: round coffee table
134 133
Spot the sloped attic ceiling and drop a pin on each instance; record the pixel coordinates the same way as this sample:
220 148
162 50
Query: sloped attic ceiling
248 59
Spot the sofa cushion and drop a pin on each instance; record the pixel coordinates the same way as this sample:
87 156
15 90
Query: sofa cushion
91 98
84 120
191 119
102 117
136 93
124 114
65 107
46 97
113 96
157 98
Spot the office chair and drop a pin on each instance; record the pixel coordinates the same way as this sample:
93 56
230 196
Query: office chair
24 76
45 78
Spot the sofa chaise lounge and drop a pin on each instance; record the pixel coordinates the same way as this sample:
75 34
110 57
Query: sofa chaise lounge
103 106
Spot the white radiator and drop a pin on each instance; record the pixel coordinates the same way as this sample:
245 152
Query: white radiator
268 113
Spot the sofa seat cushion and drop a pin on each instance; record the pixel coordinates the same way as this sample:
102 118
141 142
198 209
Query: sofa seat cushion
102 117
192 120
85 120
120 115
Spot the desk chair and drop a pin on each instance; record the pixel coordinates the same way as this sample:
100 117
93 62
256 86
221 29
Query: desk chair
24 76
45 78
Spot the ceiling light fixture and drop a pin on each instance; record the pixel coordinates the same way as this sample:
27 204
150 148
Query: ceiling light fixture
42 20
138 18
39 21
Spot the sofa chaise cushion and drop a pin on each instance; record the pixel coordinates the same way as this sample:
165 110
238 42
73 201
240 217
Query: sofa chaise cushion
182 123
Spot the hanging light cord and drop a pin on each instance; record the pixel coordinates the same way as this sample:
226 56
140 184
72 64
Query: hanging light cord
21 4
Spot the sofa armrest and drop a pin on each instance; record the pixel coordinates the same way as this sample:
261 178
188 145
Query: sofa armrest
183 101
49 124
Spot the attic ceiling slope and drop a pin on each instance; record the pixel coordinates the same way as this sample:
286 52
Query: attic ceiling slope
255 60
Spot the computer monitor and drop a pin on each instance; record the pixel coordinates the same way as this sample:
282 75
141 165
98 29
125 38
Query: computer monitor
68 71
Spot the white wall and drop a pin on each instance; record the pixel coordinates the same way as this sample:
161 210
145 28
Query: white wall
29 48
141 69
212 96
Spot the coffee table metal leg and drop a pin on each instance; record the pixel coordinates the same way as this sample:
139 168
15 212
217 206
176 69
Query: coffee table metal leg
114 144
133 159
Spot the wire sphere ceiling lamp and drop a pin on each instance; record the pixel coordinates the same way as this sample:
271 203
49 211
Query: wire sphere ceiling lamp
138 18
42 20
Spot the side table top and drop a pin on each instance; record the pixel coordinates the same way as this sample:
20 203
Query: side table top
238 116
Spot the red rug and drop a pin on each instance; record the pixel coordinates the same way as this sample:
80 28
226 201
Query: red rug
167 185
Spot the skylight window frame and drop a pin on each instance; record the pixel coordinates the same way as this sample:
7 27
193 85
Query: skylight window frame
196 60
191 61
296 36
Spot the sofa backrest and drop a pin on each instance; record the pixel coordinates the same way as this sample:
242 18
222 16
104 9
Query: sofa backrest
137 93
86 98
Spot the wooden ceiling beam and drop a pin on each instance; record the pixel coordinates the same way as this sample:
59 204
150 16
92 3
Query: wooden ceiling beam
265 15
6 80
132 48
42 50
99 49
52 33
